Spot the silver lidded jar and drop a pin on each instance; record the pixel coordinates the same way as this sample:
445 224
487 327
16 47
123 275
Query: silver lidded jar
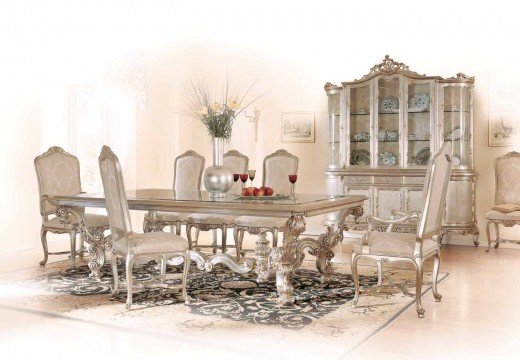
218 179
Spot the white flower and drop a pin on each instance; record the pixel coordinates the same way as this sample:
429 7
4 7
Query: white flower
202 111
215 107
233 104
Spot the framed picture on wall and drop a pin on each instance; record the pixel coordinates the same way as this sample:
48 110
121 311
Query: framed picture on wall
298 127
504 126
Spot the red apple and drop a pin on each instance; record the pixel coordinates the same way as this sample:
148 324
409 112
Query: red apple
250 191
269 191
245 192
260 192
255 191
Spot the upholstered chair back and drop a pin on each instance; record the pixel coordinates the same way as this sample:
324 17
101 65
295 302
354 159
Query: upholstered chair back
58 174
188 172
238 163
434 193
277 168
507 179
115 195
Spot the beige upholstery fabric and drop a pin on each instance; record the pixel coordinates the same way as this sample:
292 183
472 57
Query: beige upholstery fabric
170 217
498 215
394 244
508 180
188 172
278 167
58 174
211 219
260 222
238 165
154 242
92 220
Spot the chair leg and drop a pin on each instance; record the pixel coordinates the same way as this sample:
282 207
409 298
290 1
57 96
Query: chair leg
275 238
163 270
241 242
178 226
145 225
353 267
188 236
435 275
113 262
379 273
81 247
171 229
129 280
43 236
418 286
237 244
497 233
197 232
224 238
73 248
186 272
488 235
214 244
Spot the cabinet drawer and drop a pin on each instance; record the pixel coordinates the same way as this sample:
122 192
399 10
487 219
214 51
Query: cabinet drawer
388 180
414 180
357 179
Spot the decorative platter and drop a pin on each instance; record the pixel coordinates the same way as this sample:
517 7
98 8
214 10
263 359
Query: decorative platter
360 157
392 135
389 105
387 158
419 102
422 157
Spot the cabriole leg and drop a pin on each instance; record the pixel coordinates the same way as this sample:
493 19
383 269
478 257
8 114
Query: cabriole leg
43 236
163 270
497 233
129 280
488 235
418 286
113 262
215 242
186 272
379 273
224 238
435 275
353 267
72 235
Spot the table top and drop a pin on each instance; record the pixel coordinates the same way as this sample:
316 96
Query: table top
200 201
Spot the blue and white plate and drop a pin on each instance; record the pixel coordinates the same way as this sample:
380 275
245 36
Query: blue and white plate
419 102
389 105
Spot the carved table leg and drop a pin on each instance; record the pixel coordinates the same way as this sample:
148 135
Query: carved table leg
262 255
286 258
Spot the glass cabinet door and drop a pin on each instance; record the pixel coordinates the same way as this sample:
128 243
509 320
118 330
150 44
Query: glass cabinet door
334 129
388 129
358 135
456 110
418 123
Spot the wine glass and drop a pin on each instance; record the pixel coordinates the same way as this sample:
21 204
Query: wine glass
244 177
252 174
292 180
236 177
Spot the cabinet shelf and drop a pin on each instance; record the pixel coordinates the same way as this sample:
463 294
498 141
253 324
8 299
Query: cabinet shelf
359 114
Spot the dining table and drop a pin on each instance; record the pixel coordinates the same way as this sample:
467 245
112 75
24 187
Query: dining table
283 259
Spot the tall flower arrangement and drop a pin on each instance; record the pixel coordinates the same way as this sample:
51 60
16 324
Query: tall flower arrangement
216 110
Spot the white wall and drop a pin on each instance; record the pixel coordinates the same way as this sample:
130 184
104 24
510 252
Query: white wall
293 50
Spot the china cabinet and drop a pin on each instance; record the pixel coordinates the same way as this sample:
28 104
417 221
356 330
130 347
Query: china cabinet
383 130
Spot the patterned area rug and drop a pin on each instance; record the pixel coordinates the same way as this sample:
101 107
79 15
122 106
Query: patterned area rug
223 305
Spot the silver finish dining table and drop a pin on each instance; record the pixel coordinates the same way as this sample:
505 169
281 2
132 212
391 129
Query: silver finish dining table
284 259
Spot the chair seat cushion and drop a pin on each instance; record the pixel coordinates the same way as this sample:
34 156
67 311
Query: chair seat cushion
153 243
211 219
261 222
170 217
498 215
394 244
93 221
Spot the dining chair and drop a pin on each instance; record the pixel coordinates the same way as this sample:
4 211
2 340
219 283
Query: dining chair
416 248
58 173
507 191
127 244
238 163
187 177
276 170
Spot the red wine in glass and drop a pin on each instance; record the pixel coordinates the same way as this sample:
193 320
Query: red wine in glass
244 178
236 177
251 175
292 180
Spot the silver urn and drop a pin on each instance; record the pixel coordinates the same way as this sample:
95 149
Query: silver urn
218 179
